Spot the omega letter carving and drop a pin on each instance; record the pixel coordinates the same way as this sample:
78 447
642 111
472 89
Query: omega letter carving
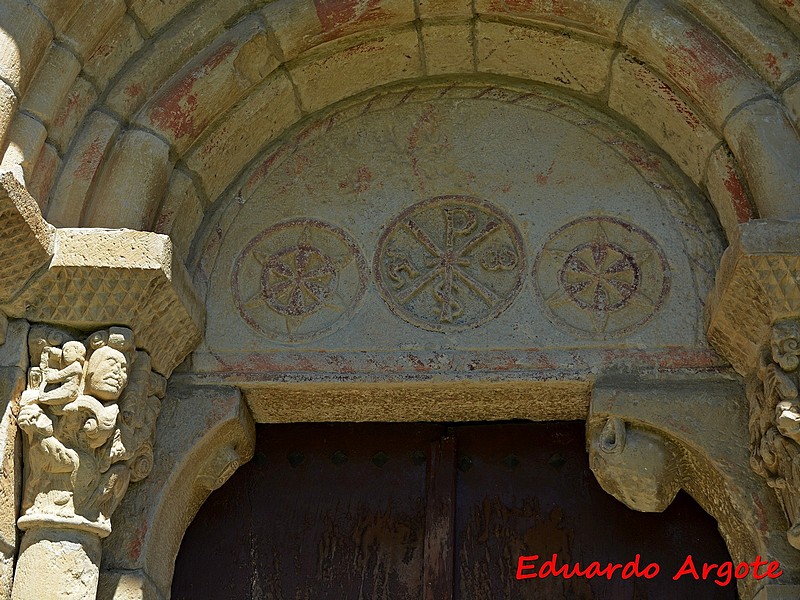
775 420
88 416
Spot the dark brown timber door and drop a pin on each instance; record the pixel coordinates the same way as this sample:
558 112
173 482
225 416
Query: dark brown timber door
423 511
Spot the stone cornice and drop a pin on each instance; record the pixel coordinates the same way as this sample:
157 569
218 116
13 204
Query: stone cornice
91 278
758 283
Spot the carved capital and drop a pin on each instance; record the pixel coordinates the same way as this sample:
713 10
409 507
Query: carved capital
757 284
87 278
88 416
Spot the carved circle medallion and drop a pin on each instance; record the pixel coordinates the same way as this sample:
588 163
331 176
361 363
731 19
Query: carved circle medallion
450 263
601 277
298 280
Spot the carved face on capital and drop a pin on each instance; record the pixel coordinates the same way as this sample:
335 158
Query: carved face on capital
107 373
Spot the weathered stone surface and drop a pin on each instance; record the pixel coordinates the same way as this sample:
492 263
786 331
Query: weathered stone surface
791 98
131 185
72 112
728 192
266 112
341 69
694 59
434 156
678 417
121 42
57 564
90 24
601 17
44 175
544 56
764 42
154 14
26 237
24 39
170 51
767 147
26 137
8 106
641 96
300 25
436 9
118 276
83 163
53 80
758 282
778 592
788 12
13 363
181 213
209 434
209 85
127 585
58 12
447 48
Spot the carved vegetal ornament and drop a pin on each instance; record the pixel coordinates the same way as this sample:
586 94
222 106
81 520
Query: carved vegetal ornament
775 419
88 416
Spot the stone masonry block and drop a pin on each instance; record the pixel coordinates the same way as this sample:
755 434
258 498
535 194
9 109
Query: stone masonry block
300 25
601 17
767 146
52 82
122 42
182 110
763 41
266 112
791 98
168 52
728 192
545 56
82 165
757 283
8 107
671 41
341 70
132 278
181 213
44 175
155 14
132 184
448 48
439 9
58 12
90 24
215 435
27 237
641 96
24 39
72 112
25 140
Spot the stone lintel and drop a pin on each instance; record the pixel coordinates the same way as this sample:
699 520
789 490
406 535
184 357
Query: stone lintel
97 278
758 282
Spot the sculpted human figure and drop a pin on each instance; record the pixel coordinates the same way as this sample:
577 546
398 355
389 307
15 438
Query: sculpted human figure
775 420
73 357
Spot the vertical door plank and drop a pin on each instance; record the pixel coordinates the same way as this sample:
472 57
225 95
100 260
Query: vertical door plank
440 521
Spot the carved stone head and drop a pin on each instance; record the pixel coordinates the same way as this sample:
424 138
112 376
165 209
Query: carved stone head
109 363
634 465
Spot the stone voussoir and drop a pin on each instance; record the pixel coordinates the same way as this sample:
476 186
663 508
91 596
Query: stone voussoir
51 83
214 81
24 39
673 42
767 146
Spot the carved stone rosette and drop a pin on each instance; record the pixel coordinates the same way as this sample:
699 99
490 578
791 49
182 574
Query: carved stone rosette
88 416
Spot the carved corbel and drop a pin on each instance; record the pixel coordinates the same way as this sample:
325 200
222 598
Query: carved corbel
754 322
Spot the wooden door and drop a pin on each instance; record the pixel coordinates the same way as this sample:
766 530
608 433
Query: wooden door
424 511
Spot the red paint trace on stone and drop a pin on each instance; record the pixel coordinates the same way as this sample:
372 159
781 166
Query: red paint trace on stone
175 111
773 66
90 161
541 178
701 60
337 15
741 203
138 541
